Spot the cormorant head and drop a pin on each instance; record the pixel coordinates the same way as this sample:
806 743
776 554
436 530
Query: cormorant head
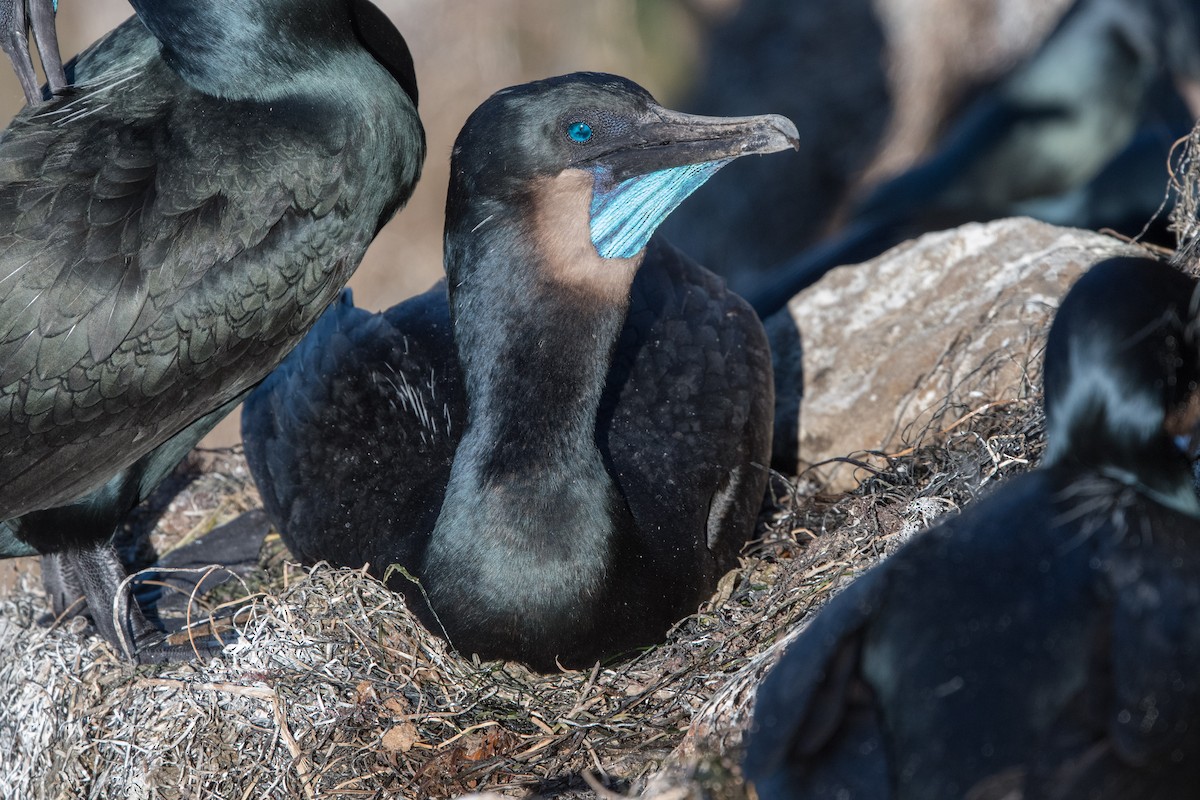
1122 378
637 159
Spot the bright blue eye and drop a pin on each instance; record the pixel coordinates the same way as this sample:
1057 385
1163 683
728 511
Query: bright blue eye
579 131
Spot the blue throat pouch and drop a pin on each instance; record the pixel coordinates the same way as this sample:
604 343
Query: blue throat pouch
624 216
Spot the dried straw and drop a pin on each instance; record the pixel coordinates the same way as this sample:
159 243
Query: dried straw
1184 166
333 690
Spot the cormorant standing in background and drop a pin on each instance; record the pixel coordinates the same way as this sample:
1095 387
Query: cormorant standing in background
1078 135
170 227
1044 643
567 443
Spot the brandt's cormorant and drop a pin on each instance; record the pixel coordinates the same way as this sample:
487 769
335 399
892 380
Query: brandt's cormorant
170 226
1044 643
566 443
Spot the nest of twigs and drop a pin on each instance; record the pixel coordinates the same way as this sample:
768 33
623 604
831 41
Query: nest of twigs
334 690
1184 166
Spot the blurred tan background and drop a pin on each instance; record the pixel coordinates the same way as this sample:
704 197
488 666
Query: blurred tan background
892 70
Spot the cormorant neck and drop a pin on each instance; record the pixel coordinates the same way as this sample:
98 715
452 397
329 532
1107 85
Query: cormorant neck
529 524
536 312
252 49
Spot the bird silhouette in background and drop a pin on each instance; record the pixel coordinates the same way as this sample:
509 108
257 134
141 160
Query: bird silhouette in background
1079 135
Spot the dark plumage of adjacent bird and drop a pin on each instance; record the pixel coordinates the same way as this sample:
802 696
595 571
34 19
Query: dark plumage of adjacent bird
1044 643
567 443
170 226
1079 135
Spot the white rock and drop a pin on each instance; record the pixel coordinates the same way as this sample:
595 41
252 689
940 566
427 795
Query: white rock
957 315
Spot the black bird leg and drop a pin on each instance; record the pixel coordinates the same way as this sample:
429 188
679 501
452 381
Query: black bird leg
88 579
17 18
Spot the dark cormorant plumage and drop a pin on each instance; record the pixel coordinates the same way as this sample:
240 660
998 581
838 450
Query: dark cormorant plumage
567 443
1078 135
1044 643
18 18
170 227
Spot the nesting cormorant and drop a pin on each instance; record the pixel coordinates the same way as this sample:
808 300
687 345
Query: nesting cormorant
170 227
18 18
1078 135
1044 643
567 443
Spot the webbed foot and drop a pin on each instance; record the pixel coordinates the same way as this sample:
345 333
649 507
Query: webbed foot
92 581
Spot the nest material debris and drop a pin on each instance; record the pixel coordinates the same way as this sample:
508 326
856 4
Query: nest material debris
1184 166
334 690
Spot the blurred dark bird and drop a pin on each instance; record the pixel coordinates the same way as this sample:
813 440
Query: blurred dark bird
19 18
823 65
1042 644
1079 136
170 227
567 443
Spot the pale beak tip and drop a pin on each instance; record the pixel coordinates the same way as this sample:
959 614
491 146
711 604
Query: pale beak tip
787 129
